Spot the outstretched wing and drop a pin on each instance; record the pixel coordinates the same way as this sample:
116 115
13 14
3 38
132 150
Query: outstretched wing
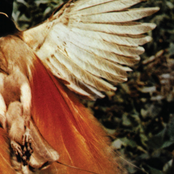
90 44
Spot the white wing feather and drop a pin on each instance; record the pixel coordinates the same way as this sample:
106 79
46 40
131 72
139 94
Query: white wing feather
89 41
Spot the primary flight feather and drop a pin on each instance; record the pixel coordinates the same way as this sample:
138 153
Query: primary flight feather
90 40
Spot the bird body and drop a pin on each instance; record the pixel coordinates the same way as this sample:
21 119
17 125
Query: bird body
43 68
62 122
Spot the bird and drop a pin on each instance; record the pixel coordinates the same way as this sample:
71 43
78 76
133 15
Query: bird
84 49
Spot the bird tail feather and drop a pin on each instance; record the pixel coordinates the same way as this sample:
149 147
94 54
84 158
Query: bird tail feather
69 127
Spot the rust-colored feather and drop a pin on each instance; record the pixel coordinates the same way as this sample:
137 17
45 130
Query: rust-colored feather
5 161
68 126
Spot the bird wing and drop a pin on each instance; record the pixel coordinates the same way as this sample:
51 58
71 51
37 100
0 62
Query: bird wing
90 44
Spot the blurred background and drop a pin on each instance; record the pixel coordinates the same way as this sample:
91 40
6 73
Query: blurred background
139 116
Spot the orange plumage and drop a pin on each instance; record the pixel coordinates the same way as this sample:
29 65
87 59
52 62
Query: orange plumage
5 159
68 126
